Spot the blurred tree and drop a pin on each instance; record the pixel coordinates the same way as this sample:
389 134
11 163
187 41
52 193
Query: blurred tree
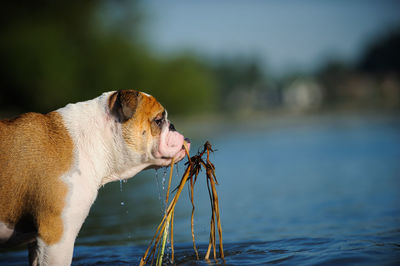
186 85
41 50
52 53
383 55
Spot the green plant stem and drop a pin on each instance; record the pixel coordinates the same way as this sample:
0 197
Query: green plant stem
164 241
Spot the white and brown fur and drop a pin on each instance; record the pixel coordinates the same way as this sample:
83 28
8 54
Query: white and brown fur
52 165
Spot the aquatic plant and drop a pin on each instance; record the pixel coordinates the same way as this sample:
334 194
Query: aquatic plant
193 168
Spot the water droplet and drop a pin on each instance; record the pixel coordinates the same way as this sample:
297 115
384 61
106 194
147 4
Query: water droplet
122 203
177 169
158 187
163 179
165 171
177 172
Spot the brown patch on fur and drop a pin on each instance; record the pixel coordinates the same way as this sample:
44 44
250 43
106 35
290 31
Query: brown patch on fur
147 108
123 104
35 150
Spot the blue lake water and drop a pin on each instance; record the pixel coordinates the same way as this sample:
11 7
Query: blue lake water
299 191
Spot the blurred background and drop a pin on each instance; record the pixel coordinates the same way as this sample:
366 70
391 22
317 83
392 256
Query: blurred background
228 57
301 100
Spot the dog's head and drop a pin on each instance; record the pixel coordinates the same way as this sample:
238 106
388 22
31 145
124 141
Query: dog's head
146 129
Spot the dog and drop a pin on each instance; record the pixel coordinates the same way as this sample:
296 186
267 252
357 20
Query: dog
52 165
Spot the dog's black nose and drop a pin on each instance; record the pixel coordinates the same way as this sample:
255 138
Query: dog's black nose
187 140
172 127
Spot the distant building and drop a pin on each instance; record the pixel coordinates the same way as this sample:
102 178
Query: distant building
302 95
361 90
390 88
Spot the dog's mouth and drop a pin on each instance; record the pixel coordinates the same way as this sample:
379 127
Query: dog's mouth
171 145
182 153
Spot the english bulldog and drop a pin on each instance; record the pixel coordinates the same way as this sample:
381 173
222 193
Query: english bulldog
52 165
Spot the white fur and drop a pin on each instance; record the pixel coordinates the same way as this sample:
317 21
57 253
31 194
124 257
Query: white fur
5 232
145 94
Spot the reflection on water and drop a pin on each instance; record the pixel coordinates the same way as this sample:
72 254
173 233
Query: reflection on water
320 190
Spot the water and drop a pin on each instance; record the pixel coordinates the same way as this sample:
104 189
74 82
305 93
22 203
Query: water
311 191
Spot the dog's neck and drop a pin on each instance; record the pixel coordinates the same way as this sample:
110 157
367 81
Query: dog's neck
100 151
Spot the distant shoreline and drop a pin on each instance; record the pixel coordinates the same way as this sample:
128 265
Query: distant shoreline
200 126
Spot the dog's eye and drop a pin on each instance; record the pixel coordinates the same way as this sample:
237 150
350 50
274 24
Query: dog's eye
159 121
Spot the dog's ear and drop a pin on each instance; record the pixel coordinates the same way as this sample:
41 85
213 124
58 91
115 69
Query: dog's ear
123 104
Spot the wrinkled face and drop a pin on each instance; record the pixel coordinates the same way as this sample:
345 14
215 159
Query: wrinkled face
146 129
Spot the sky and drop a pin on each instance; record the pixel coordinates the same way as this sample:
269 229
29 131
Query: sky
283 35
